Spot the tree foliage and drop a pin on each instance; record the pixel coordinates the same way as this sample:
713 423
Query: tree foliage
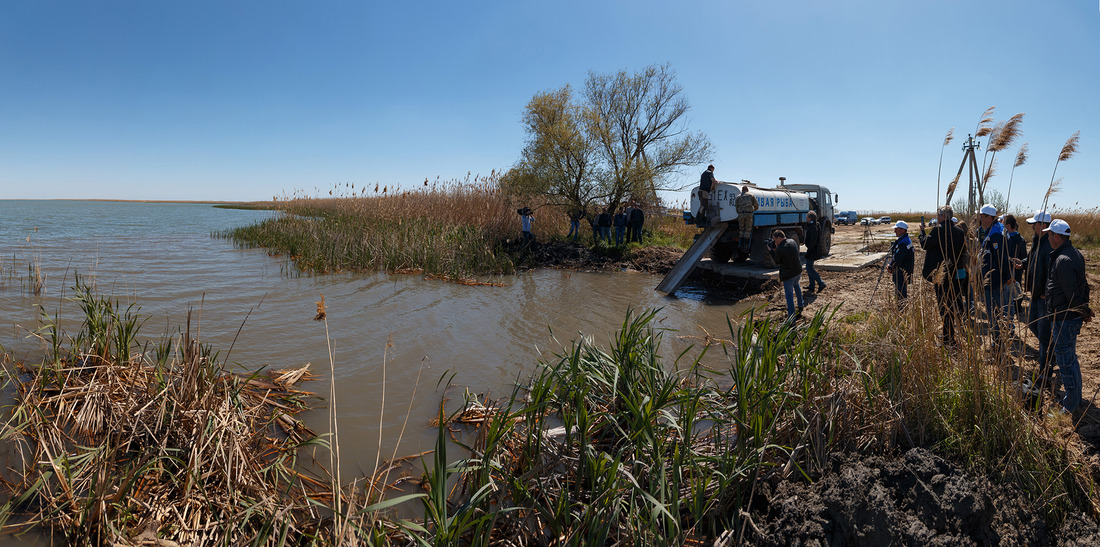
626 139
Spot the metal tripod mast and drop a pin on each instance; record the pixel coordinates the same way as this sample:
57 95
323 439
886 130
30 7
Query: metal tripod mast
970 160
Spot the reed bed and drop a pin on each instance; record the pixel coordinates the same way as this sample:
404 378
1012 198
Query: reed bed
456 229
127 444
616 447
453 228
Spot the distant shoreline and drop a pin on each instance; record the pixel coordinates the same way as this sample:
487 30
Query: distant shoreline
212 202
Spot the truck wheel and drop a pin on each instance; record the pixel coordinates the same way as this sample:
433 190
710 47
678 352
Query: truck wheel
722 252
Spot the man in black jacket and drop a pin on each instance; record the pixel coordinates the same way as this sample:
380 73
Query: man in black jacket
813 252
636 220
1017 251
1067 295
785 252
902 260
706 186
1035 282
945 267
996 274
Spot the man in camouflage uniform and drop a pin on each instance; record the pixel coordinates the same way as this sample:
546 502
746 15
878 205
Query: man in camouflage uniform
746 206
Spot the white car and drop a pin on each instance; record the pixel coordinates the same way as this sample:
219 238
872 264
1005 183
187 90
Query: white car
868 221
884 220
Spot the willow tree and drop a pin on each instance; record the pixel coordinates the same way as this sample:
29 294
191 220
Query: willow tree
637 120
559 161
626 139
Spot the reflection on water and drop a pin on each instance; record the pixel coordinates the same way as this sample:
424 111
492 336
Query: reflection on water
394 333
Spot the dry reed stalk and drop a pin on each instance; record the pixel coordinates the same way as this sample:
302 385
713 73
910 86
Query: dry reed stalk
1021 158
1069 149
946 140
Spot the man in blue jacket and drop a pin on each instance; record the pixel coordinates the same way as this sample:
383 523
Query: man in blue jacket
902 260
996 273
1067 295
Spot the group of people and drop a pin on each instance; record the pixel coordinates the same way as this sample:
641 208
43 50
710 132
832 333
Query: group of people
627 221
1052 272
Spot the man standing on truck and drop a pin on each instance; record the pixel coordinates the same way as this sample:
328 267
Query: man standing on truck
706 185
746 206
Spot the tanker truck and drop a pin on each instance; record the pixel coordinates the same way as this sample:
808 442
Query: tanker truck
784 207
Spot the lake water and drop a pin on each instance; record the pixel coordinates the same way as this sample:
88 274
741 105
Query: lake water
387 330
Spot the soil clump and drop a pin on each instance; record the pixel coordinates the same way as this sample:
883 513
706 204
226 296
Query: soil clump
917 498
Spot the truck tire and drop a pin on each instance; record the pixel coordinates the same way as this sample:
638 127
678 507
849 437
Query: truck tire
723 251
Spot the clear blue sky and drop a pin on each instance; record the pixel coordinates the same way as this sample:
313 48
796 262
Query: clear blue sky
246 100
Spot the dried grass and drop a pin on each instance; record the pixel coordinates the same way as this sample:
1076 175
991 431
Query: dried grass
168 446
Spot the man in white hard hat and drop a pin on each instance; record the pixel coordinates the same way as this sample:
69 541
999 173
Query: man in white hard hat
1035 283
1067 300
996 273
902 260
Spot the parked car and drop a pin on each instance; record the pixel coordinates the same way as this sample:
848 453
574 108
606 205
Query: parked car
868 221
884 220
847 217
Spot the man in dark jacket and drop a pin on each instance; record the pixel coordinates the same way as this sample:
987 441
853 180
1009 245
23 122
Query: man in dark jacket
636 220
604 221
902 260
813 252
785 252
945 267
1017 251
996 273
706 186
1035 282
620 226
1067 295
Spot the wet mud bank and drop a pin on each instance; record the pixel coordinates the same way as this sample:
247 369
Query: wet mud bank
568 255
916 498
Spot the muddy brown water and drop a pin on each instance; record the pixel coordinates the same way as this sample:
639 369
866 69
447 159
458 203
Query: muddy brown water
393 336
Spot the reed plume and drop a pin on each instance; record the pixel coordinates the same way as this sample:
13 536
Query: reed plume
1021 158
983 128
939 170
989 172
1055 187
1001 137
1007 133
951 187
1068 150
